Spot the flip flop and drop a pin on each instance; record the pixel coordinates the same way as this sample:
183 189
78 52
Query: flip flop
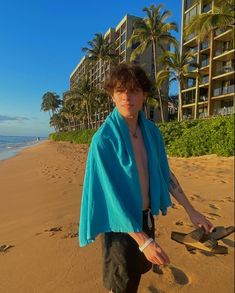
195 240
217 233
218 249
221 232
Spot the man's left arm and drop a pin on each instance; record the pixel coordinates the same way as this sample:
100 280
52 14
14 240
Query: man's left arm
196 218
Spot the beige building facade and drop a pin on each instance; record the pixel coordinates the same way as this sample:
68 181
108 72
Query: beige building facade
214 92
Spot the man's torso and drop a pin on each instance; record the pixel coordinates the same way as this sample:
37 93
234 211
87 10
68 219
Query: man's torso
142 167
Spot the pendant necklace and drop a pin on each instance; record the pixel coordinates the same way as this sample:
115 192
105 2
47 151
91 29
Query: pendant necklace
134 134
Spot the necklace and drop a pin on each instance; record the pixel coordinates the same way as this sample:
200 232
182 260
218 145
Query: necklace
134 134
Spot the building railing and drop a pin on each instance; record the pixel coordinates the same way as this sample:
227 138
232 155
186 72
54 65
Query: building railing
188 100
220 51
203 98
205 62
224 90
205 45
190 3
187 116
205 79
224 111
193 50
189 37
225 69
219 31
202 115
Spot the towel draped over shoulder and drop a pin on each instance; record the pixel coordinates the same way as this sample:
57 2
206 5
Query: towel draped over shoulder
111 198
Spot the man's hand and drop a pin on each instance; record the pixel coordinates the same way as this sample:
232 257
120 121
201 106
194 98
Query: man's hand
155 254
199 220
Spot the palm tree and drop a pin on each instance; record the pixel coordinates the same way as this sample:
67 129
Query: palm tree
58 121
152 31
161 77
222 17
100 49
177 67
50 103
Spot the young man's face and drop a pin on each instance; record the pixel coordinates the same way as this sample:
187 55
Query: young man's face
128 102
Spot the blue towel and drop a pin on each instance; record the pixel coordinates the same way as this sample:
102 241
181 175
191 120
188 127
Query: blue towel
111 198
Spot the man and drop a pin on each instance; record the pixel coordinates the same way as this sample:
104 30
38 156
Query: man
127 181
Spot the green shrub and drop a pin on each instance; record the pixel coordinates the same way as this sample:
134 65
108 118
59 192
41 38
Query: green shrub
81 136
200 137
182 139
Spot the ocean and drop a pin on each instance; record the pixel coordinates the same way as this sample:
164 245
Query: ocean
11 145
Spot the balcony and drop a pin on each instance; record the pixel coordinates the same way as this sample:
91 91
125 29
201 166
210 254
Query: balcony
205 45
220 51
193 50
205 79
205 62
189 37
202 115
219 31
225 69
203 98
188 98
224 90
206 8
189 4
224 111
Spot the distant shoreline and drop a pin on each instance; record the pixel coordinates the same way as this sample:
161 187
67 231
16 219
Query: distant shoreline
12 154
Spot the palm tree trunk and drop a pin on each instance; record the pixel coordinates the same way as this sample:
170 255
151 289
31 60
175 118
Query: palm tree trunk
88 115
179 102
155 74
161 106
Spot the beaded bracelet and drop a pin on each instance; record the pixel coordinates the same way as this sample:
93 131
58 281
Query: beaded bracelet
141 248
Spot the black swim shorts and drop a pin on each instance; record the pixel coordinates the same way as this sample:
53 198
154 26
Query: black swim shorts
123 262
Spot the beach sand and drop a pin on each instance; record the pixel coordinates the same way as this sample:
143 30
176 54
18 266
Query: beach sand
40 193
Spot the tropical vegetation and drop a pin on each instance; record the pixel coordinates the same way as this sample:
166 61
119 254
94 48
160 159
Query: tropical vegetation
183 139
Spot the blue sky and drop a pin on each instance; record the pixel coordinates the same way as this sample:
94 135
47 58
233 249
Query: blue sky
40 45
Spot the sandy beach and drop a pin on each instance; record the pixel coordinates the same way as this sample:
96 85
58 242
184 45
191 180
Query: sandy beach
40 193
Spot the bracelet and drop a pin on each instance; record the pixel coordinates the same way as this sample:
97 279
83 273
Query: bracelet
141 248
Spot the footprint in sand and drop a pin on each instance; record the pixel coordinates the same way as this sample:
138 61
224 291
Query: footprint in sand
70 235
212 216
172 274
174 206
152 289
229 198
5 247
54 230
213 206
179 223
222 181
195 196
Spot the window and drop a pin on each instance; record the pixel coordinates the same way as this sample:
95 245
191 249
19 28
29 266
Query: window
123 46
189 3
123 37
191 82
189 15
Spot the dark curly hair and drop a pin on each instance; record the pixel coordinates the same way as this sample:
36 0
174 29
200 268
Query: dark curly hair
127 76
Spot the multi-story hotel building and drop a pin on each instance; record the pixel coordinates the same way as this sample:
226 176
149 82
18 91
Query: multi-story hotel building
213 93
120 34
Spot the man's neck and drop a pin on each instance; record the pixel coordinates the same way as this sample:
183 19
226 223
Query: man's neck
132 122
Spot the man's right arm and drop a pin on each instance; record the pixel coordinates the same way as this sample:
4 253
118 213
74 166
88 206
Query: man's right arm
153 252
